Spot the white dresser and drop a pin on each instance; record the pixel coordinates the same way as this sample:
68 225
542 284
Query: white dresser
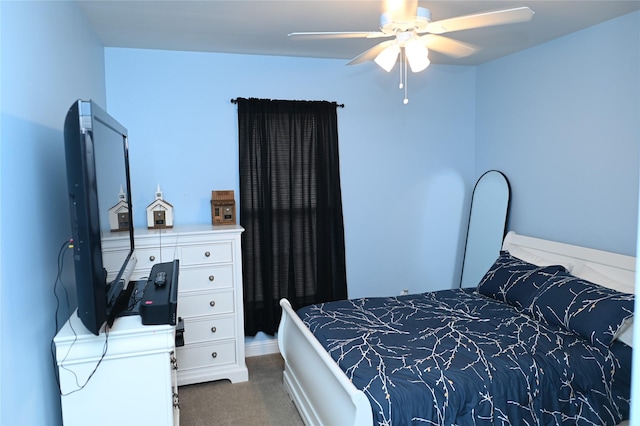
209 295
133 383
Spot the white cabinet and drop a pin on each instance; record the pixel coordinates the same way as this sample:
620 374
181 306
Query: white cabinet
209 295
125 377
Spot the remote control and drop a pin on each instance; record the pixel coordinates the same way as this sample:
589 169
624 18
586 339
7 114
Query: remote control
161 279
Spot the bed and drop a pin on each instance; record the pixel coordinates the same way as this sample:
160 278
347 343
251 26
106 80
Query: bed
515 350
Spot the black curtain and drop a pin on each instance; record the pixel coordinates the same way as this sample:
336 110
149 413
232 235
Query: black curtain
290 207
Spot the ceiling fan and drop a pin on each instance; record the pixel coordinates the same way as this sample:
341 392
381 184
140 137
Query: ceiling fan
412 33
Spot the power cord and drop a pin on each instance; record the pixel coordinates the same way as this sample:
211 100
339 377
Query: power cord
66 245
61 255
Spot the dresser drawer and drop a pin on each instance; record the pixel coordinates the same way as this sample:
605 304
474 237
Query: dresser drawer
148 253
207 253
209 278
201 303
205 329
147 257
206 355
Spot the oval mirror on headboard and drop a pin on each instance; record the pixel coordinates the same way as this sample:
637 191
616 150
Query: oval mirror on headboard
487 223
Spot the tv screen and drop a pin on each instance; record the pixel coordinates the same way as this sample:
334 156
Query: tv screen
97 158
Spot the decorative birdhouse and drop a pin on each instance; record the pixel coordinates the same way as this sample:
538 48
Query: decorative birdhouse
223 208
119 214
159 213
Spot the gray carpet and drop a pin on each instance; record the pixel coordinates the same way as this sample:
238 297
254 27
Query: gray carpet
260 401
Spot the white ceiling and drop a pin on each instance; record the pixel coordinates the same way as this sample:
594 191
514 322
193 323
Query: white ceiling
261 26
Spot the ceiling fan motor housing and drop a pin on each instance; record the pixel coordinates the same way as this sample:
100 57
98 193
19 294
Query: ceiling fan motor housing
416 23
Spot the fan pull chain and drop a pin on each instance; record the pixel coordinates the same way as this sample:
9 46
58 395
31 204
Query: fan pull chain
403 75
406 83
406 80
402 64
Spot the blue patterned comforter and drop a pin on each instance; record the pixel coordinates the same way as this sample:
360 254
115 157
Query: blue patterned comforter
457 357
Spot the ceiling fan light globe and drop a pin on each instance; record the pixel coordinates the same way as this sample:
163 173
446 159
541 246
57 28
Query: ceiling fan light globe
388 57
419 64
417 55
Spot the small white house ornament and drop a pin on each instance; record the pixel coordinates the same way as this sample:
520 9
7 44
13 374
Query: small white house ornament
119 214
159 213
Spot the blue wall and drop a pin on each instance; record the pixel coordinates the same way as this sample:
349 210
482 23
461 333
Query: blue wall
405 169
50 56
562 120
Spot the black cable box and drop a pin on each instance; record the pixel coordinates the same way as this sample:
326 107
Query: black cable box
159 303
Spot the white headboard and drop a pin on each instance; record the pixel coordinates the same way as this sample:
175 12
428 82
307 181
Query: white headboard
618 267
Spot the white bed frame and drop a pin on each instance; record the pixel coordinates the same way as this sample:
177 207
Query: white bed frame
322 392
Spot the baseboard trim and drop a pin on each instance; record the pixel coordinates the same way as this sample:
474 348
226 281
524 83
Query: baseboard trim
262 347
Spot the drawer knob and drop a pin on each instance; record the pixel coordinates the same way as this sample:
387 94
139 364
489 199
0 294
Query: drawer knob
213 329
152 258
207 254
214 354
212 303
211 278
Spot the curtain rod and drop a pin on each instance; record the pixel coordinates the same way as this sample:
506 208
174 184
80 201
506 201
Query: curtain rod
235 101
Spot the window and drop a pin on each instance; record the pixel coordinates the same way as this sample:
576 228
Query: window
290 207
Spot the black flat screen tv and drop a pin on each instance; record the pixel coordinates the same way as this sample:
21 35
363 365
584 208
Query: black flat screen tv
97 159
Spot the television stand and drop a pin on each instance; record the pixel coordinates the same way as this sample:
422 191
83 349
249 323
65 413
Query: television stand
134 383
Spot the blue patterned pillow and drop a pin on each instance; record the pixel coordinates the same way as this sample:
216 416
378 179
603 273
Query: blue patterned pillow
514 281
587 309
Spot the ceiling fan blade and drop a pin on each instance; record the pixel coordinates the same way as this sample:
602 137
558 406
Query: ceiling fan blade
371 54
478 20
335 35
449 47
